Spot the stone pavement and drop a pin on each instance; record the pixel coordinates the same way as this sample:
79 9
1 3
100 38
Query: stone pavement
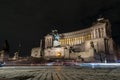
57 73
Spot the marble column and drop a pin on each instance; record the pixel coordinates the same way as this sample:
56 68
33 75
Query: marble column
69 41
75 41
79 40
89 36
97 32
82 39
65 41
104 32
51 42
94 33
72 41
101 32
45 43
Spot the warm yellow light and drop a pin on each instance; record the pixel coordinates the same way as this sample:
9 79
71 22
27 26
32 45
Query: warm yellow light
58 54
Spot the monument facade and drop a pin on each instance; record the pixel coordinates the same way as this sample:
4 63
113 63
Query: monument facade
93 44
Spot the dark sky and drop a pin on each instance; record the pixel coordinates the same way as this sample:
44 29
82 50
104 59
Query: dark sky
27 21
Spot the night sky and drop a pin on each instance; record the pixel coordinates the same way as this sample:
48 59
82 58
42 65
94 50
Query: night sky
28 21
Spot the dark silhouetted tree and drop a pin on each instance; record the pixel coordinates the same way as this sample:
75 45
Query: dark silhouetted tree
6 46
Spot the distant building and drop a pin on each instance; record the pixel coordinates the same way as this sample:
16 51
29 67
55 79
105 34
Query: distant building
93 44
36 52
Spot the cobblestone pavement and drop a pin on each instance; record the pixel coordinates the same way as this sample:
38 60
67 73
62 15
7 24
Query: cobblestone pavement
57 73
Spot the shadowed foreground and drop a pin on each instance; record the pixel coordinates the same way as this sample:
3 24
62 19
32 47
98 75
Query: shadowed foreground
57 73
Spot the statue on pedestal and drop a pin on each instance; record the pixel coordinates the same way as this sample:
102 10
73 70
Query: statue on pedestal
56 36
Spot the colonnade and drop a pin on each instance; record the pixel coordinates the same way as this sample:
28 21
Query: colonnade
99 33
77 37
82 37
75 40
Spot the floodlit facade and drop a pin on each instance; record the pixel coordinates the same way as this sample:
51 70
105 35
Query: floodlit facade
93 44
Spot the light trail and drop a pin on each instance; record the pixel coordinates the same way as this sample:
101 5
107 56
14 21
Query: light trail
100 65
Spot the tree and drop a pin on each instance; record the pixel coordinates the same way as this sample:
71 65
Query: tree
6 46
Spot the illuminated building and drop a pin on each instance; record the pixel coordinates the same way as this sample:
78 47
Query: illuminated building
92 44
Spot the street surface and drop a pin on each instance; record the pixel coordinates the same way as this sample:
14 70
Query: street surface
57 73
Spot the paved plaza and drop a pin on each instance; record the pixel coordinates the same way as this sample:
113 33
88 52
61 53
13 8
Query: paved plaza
57 73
